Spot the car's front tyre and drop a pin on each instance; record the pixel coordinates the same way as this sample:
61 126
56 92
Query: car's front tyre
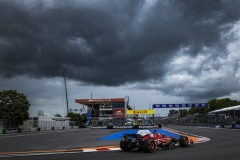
183 141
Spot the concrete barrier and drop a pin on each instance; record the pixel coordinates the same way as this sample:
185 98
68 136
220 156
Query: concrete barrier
109 127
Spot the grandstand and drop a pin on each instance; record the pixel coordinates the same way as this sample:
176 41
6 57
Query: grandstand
109 110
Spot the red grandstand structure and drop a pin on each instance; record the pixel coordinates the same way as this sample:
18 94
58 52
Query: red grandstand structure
107 108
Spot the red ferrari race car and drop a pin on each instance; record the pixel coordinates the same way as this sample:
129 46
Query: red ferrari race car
151 142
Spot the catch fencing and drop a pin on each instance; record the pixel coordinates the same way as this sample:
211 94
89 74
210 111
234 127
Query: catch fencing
104 121
8 125
33 125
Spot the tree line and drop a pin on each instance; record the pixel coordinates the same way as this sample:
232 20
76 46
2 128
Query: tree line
213 104
14 106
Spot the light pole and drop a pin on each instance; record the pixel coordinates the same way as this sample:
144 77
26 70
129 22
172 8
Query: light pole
64 76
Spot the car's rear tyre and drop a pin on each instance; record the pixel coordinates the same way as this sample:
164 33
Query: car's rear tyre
125 144
149 146
183 141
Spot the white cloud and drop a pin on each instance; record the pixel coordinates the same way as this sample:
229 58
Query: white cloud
212 73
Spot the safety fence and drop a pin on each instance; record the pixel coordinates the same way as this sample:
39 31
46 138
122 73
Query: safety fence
33 125
8 125
128 121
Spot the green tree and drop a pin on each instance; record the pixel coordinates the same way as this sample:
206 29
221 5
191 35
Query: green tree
215 104
84 118
58 115
75 117
195 110
14 106
172 112
183 112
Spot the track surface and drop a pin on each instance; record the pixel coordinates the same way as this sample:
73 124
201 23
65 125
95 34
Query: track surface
62 145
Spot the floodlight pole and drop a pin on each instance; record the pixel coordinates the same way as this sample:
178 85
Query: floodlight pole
153 116
64 76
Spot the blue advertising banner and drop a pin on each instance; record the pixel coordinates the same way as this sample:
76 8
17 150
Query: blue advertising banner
184 105
89 115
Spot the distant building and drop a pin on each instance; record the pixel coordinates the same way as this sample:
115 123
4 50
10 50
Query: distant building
47 123
40 113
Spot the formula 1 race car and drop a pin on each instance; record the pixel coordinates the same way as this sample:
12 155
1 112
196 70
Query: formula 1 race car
151 142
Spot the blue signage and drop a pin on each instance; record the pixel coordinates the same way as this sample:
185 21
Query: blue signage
89 115
184 105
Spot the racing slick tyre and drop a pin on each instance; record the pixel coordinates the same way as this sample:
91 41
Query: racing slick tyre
125 144
183 141
149 146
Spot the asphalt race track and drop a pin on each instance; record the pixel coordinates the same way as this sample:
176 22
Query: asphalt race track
68 144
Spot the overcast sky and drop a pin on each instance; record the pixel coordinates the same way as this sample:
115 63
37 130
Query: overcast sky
154 51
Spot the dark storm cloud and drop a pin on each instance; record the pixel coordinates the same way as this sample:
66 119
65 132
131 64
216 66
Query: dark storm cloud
106 42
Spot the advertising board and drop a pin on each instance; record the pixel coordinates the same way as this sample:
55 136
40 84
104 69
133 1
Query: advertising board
140 111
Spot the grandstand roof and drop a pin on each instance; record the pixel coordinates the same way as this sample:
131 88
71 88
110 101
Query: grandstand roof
99 101
226 109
